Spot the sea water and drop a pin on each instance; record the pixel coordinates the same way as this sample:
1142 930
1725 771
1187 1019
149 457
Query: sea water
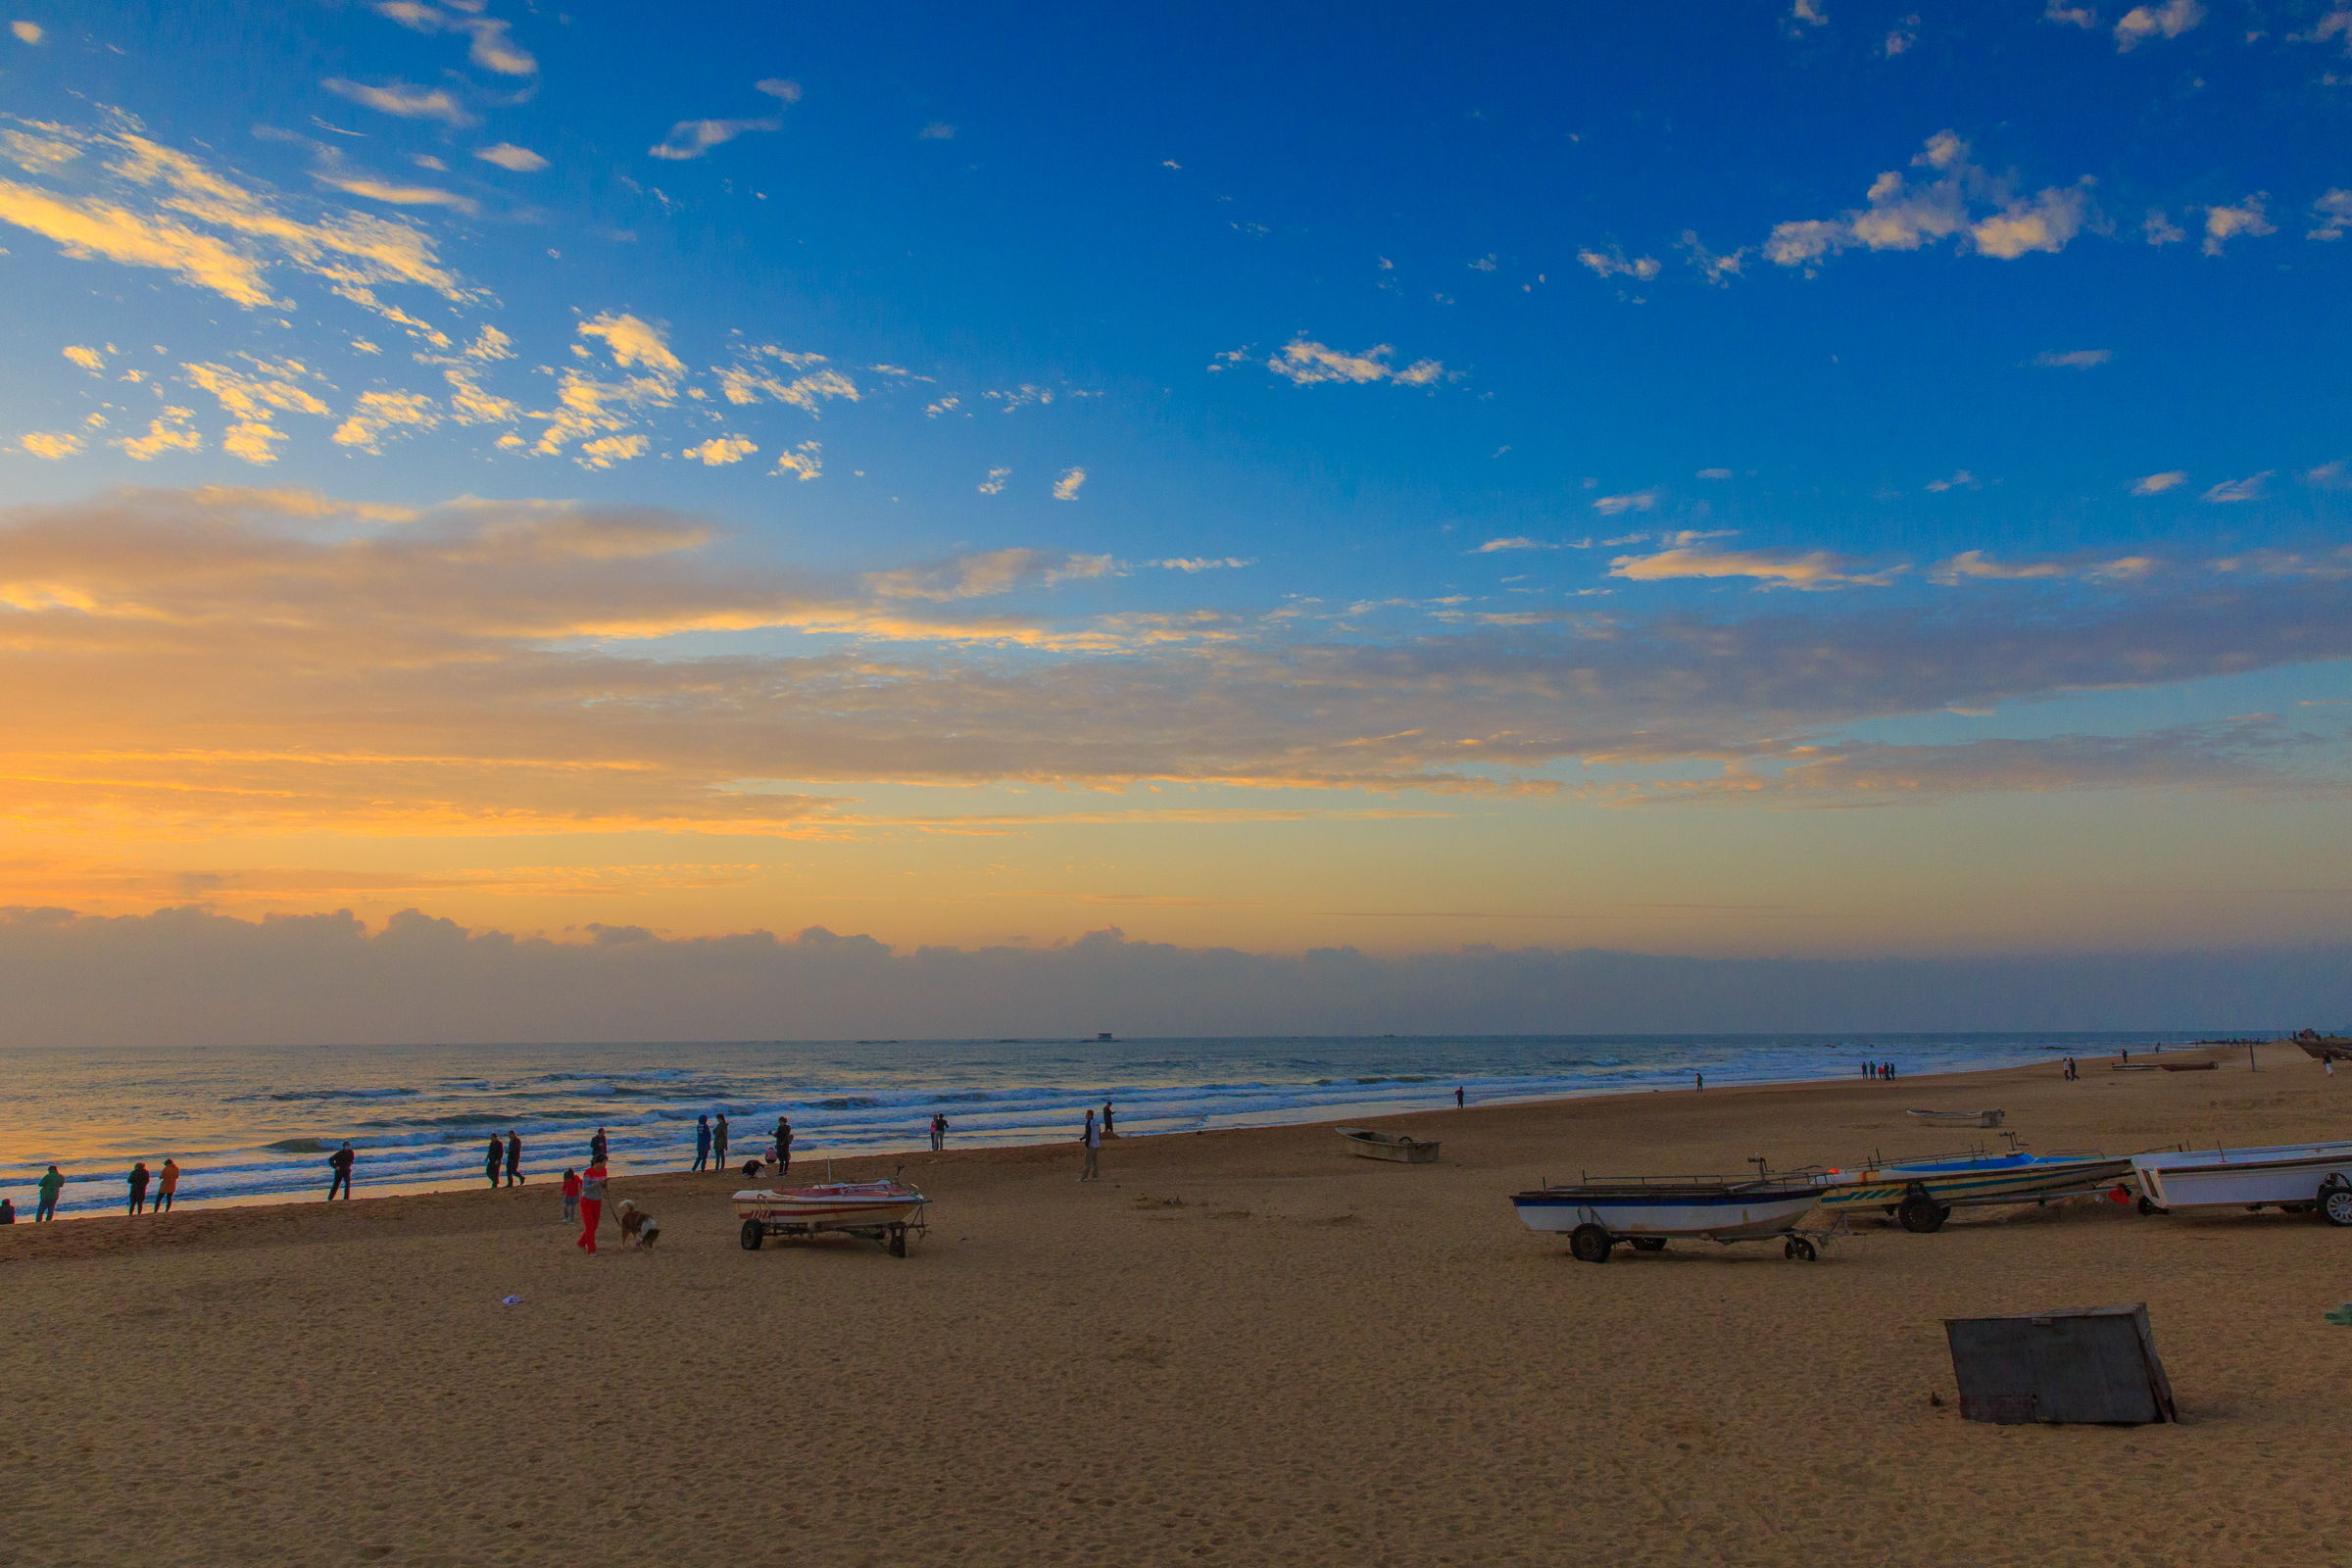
251 1123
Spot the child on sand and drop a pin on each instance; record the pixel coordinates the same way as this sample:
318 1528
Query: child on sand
572 1195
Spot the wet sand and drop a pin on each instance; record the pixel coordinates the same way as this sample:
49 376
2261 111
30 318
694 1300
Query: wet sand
1241 1347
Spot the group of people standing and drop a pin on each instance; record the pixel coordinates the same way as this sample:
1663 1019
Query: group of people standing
52 1186
507 1154
710 1142
1878 1070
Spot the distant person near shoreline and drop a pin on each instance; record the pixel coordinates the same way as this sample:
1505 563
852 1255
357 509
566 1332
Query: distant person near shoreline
1459 1098
514 1157
719 1141
51 1185
702 1142
939 1131
596 1147
340 1163
783 1145
170 1185
1106 1110
1092 1138
498 1157
139 1179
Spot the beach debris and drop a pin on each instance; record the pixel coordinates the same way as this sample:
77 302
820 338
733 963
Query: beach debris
509 1300
2094 1365
2342 1313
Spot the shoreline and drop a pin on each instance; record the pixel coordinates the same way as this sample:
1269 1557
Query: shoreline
868 1164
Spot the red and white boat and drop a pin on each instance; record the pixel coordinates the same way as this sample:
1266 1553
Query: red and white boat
880 1211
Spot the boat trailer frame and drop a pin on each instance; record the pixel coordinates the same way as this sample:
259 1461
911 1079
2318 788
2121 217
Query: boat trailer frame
892 1238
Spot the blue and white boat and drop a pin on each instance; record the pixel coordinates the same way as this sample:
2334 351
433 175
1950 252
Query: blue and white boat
1922 1193
1596 1214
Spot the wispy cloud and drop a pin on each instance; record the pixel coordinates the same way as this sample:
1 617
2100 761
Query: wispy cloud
936 130
1612 263
54 445
506 154
692 139
994 484
1065 488
1717 270
2334 210
399 98
1806 14
1633 500
2141 24
378 415
1957 200
2073 359
2225 224
26 31
2246 489
1308 362
1961 479
1198 563
721 450
1810 570
804 462
491 48
1902 37
2066 16
2158 483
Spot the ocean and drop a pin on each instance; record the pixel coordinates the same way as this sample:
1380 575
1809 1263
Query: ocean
254 1123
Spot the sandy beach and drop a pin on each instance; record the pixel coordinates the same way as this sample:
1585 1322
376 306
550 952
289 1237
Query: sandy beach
1240 1346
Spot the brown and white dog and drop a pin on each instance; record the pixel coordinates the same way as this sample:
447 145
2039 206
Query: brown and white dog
636 1225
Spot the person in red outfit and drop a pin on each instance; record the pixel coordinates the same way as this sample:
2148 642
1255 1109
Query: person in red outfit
592 1204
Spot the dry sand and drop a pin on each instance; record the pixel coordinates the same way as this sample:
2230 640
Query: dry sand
1238 1347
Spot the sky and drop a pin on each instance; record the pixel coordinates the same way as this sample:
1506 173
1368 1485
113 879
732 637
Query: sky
1837 482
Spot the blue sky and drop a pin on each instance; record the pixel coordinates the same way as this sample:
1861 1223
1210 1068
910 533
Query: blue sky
1559 408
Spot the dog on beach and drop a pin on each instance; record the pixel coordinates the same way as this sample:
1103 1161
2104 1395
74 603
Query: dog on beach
636 1225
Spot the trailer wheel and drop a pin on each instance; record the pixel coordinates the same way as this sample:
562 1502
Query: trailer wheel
2335 1203
1589 1243
752 1233
2147 1205
898 1241
1803 1250
1649 1244
1920 1215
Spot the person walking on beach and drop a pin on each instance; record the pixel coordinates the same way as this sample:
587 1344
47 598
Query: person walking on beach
592 1204
572 1195
1092 1138
1702 1082
702 1142
514 1157
498 1157
340 1163
596 1147
718 1140
51 1185
138 1188
1459 1099
170 1185
783 1145
1106 1109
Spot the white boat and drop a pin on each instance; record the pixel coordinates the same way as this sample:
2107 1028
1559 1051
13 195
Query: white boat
1958 1118
1598 1214
882 1211
2276 1176
1389 1146
1922 1193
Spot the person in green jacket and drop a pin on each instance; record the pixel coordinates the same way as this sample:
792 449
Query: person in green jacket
51 1185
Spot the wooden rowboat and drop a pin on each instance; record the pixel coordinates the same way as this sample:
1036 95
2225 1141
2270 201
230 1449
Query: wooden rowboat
1958 1118
1389 1146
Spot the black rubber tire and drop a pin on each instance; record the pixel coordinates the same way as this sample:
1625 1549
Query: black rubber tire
1920 1215
2147 1206
1789 1247
1649 1244
898 1241
1589 1243
754 1233
2335 1203
1804 1249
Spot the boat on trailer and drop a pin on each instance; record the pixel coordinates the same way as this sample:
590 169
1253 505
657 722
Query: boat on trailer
2295 1177
883 1211
1922 1193
1389 1146
1647 1212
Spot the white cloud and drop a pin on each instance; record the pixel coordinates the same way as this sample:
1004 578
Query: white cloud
1200 563
361 185
1904 35
1717 270
633 342
2247 489
2157 483
379 414
1636 500
1961 479
1484 263
1307 362
399 98
691 138
1905 217
994 484
506 154
28 31
491 50
779 87
936 130
2140 24
2337 475
2073 359
1515 542
2067 16
428 161
1613 264
2333 210
1065 488
719 451
1714 473
2161 229
1806 14
606 451
2225 224
805 460
89 359
749 380
1810 570
55 445
250 398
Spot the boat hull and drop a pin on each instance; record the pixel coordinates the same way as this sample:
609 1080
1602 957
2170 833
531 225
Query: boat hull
2242 1178
1991 1180
837 1207
1389 1146
1727 1216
